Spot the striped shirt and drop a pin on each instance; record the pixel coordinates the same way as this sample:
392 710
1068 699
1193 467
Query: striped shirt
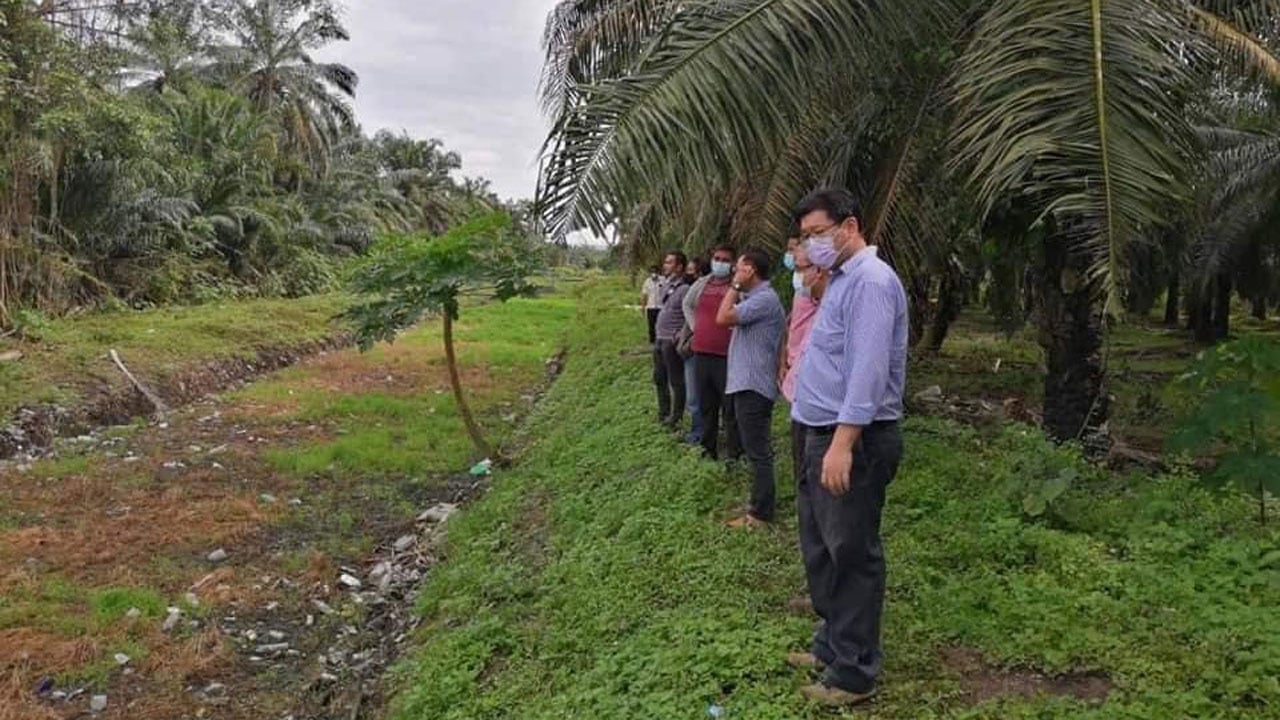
757 338
855 368
671 316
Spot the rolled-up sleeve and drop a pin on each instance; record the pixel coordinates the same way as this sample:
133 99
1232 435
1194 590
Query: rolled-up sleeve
753 308
868 343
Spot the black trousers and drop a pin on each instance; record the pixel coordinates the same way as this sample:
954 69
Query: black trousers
797 451
754 414
668 379
652 314
843 556
710 372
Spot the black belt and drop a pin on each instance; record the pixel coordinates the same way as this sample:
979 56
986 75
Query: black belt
824 430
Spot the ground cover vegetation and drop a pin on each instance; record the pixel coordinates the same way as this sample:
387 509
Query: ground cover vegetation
598 579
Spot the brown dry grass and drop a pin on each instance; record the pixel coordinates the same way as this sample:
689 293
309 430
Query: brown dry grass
90 546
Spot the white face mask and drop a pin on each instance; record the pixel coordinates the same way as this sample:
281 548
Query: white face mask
721 269
797 282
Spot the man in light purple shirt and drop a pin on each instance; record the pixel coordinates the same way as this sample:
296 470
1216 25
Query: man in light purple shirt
849 400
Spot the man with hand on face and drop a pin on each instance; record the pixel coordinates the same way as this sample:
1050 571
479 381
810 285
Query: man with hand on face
849 401
753 310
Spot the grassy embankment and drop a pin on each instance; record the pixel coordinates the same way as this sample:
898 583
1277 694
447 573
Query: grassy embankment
67 357
598 580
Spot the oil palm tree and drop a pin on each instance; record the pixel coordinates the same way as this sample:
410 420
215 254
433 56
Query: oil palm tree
1073 108
270 61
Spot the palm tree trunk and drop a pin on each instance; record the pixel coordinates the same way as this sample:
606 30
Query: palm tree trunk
1200 319
455 379
919 307
1071 332
1173 300
1222 308
950 301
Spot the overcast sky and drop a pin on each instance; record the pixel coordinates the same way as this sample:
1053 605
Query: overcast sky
463 71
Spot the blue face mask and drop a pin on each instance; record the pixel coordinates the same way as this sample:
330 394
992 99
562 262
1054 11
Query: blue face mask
721 269
789 261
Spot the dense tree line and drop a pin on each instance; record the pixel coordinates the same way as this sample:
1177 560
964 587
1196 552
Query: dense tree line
1064 162
156 151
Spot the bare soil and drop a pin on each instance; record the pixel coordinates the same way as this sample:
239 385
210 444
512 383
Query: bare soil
983 682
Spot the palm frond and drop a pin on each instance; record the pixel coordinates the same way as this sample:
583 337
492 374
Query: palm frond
722 88
1070 103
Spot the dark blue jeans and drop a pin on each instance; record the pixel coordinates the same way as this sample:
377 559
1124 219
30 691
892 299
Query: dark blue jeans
843 556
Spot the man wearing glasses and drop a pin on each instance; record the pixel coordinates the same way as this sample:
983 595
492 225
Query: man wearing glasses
848 399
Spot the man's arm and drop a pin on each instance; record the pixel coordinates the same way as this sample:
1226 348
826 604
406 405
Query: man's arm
727 315
868 343
691 302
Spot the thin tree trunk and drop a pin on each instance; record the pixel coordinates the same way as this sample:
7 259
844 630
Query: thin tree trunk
455 379
1173 300
1071 332
1259 302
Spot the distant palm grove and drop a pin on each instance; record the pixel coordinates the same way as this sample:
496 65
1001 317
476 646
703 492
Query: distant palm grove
157 151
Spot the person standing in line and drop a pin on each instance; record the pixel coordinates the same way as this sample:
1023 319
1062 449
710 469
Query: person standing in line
849 399
789 257
711 353
697 269
809 282
753 310
651 299
668 366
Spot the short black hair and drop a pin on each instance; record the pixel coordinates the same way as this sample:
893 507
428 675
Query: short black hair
758 260
725 247
837 203
704 266
684 259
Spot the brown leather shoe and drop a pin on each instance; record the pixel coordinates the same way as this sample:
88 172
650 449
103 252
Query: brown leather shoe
835 697
747 521
805 661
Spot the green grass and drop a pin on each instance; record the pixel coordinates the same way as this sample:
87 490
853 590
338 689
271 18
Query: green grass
71 353
597 579
70 610
418 434
111 604
62 467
